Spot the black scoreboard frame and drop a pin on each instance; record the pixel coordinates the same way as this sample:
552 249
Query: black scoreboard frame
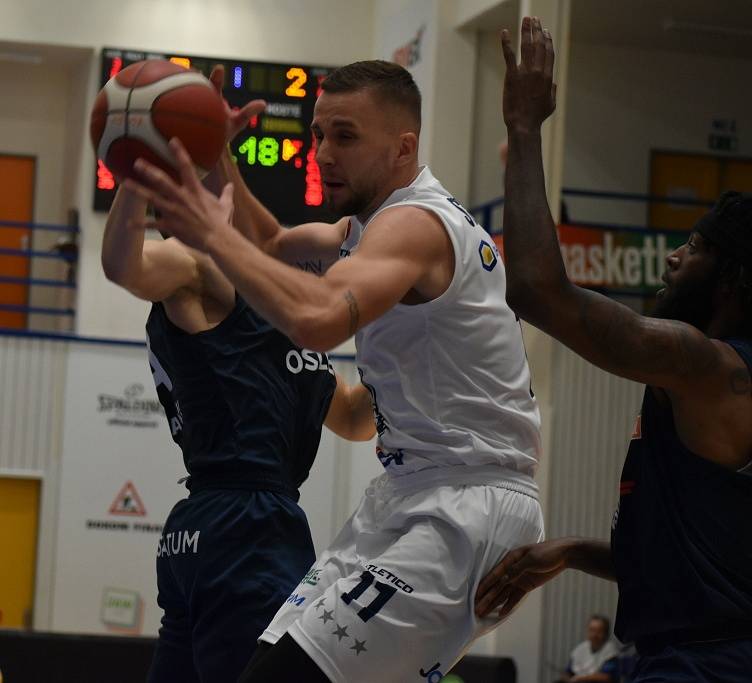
275 152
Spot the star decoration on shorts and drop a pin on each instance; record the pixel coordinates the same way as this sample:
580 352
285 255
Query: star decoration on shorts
360 646
320 603
341 632
326 615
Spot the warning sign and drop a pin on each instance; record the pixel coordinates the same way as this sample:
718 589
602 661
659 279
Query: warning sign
128 502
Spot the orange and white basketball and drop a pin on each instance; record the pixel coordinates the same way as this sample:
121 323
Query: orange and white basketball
145 105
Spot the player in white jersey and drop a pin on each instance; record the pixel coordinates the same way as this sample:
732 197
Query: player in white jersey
422 287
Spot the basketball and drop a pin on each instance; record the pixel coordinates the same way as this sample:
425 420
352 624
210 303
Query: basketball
145 105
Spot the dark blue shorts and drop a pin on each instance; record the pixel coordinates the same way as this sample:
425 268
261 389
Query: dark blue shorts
226 562
728 661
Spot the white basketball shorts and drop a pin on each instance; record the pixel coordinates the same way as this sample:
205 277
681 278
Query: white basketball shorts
392 599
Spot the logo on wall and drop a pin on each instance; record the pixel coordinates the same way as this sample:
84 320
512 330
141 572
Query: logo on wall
131 408
128 502
122 610
409 54
613 259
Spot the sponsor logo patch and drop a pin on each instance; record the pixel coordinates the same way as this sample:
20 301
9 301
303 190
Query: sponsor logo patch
312 577
489 255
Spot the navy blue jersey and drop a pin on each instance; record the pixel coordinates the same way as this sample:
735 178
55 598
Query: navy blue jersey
681 537
244 404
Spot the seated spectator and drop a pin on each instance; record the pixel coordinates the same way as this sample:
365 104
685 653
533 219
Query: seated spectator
595 659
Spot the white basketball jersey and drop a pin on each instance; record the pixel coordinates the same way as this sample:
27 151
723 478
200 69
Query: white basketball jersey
449 378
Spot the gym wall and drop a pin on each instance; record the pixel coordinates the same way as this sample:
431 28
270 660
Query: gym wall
621 103
625 101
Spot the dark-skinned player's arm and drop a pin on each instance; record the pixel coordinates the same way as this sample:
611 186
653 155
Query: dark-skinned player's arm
662 353
528 567
152 270
311 242
315 312
350 412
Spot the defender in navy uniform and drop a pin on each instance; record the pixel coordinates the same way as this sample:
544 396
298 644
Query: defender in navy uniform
246 406
681 547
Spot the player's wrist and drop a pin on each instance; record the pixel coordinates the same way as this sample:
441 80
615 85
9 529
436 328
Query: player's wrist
524 131
574 552
219 238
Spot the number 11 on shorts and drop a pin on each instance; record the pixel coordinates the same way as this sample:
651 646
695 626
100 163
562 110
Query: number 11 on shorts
372 609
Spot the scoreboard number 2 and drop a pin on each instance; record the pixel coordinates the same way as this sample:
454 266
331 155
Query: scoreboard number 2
299 78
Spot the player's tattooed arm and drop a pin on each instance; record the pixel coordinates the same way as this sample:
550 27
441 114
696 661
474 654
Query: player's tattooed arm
529 567
352 306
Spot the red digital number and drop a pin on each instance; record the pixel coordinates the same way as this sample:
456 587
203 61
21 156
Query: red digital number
314 195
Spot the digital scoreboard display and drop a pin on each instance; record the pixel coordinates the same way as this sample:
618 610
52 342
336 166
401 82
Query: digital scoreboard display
275 152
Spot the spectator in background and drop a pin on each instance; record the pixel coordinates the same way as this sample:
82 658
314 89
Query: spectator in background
595 659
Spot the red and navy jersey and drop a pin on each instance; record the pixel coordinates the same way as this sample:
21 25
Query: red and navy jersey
681 537
245 405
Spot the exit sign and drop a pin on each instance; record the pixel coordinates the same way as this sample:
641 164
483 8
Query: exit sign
723 135
723 143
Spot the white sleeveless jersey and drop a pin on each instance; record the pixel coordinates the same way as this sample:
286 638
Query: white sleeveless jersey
449 378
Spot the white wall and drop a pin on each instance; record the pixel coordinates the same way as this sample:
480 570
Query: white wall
276 30
623 102
473 11
487 178
397 23
452 105
444 74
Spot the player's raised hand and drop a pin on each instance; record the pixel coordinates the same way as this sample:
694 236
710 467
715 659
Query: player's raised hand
529 90
188 210
237 117
521 571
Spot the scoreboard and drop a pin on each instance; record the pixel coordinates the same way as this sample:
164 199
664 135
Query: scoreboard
275 153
